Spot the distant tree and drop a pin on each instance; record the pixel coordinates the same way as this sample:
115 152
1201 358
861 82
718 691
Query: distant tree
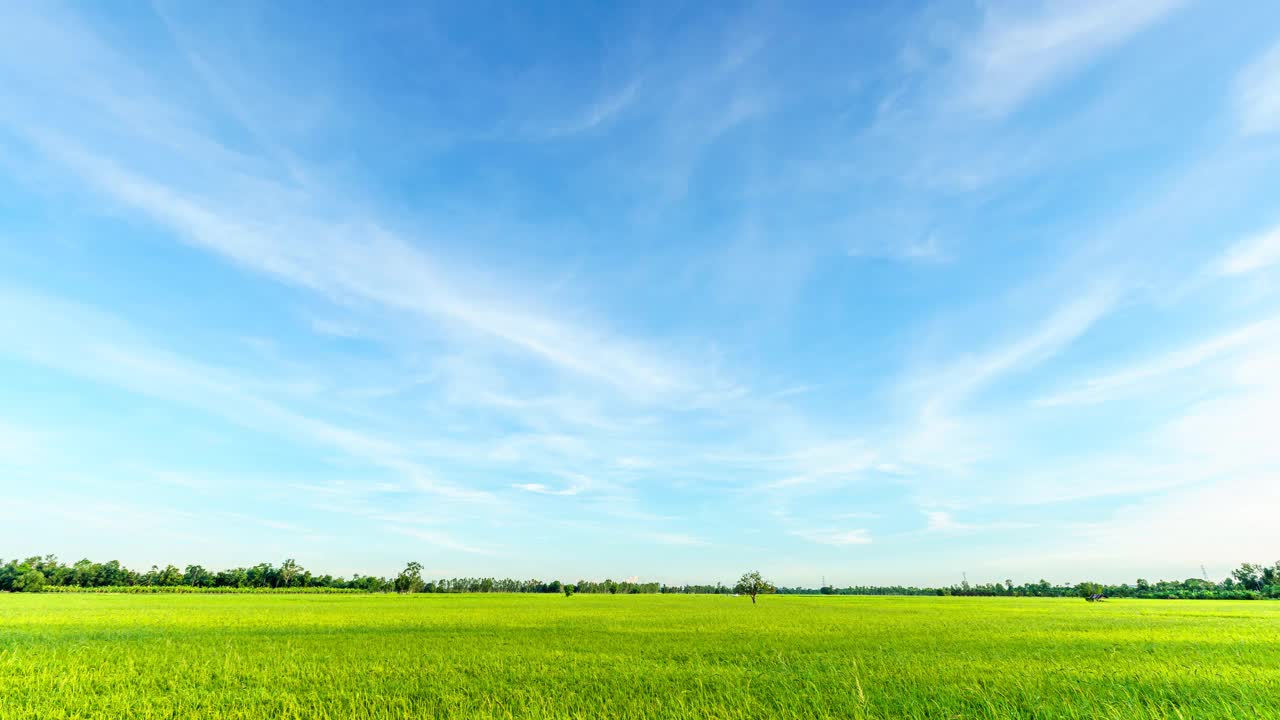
261 575
197 576
1249 576
753 584
1271 575
568 589
288 571
30 581
84 573
1089 590
169 576
410 579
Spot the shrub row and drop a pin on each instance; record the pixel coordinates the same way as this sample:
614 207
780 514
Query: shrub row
187 589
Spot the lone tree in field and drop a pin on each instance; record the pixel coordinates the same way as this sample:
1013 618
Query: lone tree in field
1090 591
752 584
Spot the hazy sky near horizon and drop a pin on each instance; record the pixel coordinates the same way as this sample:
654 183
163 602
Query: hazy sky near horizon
876 292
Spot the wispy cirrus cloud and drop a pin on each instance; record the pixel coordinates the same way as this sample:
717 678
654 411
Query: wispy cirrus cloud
272 216
1107 387
939 521
1021 50
1207 502
1063 325
1258 94
764 272
91 344
835 537
19 445
440 539
364 262
541 489
607 108
679 540
942 426
1253 253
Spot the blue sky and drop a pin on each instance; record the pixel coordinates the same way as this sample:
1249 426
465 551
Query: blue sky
876 293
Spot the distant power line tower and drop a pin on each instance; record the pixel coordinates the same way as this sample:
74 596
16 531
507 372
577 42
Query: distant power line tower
1204 573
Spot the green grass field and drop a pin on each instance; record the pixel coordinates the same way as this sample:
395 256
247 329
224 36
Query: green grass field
634 656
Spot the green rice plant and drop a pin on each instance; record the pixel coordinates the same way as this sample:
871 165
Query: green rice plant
258 655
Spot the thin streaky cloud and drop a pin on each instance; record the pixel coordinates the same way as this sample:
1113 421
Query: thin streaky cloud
440 539
1020 53
366 262
1253 253
89 344
605 110
836 538
1107 387
943 390
678 539
791 277
1258 94
939 521
541 489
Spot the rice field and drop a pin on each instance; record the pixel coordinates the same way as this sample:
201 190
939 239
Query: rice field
535 656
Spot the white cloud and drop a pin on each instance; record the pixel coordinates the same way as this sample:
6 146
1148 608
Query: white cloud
264 522
1253 253
1258 94
19 445
1018 54
336 328
679 539
602 111
669 418
1171 535
817 467
1106 387
838 538
89 344
541 489
362 262
857 515
635 463
944 389
442 539
1221 434
938 432
939 521
1234 431
68 515
1225 449
1222 439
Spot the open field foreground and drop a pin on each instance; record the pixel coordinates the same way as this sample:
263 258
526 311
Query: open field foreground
65 656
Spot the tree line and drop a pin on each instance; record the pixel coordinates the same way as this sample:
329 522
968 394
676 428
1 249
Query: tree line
1248 582
47 573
